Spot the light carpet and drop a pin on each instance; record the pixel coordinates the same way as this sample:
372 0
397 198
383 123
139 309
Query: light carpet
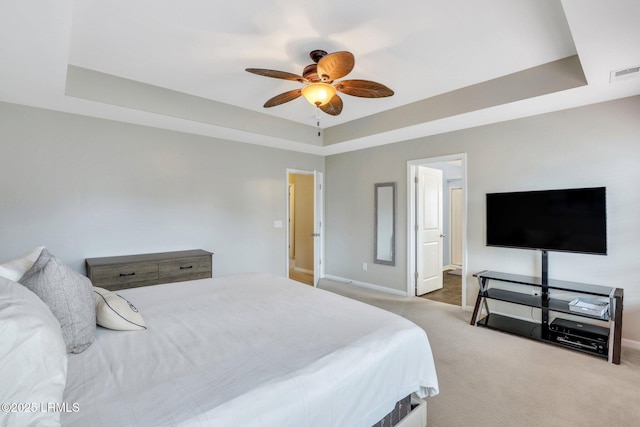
490 378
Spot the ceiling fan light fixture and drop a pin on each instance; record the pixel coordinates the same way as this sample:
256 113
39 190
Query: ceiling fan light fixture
321 83
318 94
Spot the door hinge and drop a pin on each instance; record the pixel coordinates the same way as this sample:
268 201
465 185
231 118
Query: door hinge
416 275
416 179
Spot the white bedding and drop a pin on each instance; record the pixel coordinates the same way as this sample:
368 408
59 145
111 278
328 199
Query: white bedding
248 350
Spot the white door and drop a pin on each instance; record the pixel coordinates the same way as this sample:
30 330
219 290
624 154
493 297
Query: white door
429 230
318 210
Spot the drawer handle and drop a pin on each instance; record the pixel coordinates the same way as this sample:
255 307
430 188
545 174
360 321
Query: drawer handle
127 274
186 268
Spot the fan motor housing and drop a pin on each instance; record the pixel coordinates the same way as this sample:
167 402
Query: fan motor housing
310 73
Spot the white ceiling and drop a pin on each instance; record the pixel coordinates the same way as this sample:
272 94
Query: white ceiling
200 48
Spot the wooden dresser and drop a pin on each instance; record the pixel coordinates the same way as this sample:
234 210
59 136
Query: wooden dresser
132 271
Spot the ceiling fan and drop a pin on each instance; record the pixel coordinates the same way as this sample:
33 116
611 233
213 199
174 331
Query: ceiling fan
320 85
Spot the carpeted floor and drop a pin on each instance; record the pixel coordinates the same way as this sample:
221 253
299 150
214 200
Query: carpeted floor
489 378
451 292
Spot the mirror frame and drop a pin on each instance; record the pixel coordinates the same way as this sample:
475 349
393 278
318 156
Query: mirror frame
377 209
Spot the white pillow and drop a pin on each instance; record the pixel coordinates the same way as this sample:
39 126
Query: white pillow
33 357
15 269
115 312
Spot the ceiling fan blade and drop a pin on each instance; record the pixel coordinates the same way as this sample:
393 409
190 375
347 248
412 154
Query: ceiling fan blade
335 65
363 88
277 74
283 97
334 107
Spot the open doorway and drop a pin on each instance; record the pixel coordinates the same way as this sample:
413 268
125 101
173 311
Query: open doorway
436 237
304 231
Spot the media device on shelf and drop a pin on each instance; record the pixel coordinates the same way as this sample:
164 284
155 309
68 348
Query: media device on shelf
592 338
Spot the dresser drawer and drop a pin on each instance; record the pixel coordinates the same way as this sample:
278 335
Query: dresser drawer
184 269
119 276
132 271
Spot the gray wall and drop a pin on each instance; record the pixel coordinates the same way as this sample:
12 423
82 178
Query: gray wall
88 187
598 145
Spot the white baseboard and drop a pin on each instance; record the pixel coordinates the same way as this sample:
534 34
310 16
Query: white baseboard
365 285
631 344
302 270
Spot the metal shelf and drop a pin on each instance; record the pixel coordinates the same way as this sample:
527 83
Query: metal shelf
520 298
543 302
526 329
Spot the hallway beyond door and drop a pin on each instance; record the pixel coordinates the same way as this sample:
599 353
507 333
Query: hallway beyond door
451 292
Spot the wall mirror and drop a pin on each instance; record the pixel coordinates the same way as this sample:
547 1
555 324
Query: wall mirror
384 242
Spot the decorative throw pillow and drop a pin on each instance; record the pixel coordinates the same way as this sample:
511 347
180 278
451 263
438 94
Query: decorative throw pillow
15 269
33 357
115 312
68 295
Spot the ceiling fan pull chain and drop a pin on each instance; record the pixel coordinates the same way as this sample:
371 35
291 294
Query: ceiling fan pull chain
318 119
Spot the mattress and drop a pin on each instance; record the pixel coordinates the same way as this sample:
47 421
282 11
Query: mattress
248 350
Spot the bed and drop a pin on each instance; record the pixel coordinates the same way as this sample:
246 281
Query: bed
243 350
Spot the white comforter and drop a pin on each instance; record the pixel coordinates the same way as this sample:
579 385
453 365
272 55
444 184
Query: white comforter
249 350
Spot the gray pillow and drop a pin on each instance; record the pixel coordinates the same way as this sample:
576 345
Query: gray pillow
69 296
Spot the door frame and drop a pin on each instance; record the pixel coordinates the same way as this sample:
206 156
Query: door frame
451 191
318 218
412 167
291 221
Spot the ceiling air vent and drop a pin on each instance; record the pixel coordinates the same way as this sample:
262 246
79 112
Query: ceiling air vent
627 73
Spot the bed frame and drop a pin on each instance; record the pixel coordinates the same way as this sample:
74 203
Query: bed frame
408 412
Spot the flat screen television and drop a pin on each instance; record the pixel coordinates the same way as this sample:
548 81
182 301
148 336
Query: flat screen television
569 220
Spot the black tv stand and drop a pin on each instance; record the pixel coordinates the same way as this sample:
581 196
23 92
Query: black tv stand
547 304
544 283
